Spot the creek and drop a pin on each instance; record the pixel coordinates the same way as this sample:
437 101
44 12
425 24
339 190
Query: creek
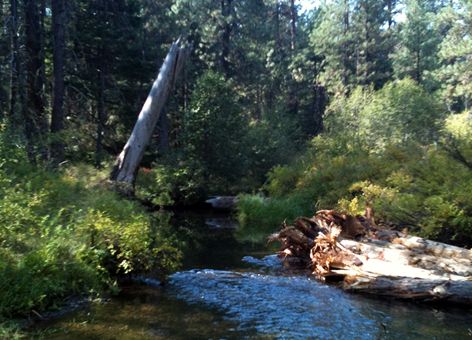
231 286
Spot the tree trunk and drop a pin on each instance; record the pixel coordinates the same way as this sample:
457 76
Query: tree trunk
57 118
319 108
226 9
101 118
15 64
164 126
127 163
293 25
390 14
345 53
33 111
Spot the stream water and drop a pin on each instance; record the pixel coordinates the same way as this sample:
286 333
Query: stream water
232 288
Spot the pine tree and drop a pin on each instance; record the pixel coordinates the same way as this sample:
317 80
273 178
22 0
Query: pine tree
373 65
417 52
57 117
455 54
332 38
34 108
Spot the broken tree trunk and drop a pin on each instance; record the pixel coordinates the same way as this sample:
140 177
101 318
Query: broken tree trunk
126 166
369 259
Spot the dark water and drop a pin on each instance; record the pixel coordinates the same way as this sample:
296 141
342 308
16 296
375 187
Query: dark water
233 289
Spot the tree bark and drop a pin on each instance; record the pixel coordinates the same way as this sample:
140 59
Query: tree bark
101 117
126 165
164 126
15 64
226 10
345 53
57 118
383 262
33 111
293 25
456 292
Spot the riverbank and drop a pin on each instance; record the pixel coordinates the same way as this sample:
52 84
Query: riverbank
237 290
413 185
63 234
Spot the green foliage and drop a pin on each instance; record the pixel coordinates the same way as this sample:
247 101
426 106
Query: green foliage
388 149
400 113
259 216
269 143
417 55
214 131
59 237
10 330
455 50
174 181
457 137
223 151
352 38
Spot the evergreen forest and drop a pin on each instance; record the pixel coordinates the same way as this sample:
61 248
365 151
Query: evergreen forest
346 105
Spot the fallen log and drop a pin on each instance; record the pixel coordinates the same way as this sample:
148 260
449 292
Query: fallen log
372 259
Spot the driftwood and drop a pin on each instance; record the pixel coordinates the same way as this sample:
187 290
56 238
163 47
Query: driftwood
367 258
223 202
127 163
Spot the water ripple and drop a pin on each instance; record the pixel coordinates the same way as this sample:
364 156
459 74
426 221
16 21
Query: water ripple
285 307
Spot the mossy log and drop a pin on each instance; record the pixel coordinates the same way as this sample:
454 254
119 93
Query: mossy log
372 259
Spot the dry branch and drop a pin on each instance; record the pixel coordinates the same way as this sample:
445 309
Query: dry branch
375 260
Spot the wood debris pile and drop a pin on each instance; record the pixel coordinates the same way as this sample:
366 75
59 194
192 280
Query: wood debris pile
371 259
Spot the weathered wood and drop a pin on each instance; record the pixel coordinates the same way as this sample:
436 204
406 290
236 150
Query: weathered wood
127 163
457 292
381 261
223 202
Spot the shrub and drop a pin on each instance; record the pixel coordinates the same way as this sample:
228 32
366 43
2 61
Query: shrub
388 149
62 236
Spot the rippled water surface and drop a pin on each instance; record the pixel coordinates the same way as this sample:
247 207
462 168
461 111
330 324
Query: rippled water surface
231 289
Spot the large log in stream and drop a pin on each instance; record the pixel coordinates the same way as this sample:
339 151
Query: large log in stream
367 258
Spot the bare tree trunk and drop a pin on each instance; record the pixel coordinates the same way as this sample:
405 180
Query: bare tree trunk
127 163
101 118
345 54
319 108
384 261
226 10
164 126
57 118
33 111
15 64
293 25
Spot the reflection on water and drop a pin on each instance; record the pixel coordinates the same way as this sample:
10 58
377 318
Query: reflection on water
142 312
230 289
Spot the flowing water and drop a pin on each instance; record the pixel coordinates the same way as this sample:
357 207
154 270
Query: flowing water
232 288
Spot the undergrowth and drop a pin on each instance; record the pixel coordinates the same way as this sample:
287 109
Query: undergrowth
64 234
420 180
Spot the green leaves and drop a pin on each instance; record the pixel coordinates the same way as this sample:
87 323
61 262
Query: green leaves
59 238
401 112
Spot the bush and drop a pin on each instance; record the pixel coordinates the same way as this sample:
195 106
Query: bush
214 130
173 181
388 149
60 236
261 216
401 113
